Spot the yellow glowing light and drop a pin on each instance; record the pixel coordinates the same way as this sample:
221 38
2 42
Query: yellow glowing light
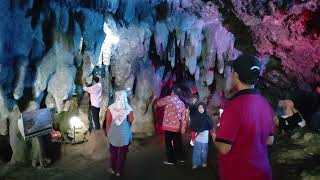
75 122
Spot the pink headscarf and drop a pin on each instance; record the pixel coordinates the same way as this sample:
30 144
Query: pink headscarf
120 109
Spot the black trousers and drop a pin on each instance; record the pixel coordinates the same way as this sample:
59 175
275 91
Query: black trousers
174 146
94 122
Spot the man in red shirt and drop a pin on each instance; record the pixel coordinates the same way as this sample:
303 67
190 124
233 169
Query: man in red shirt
246 126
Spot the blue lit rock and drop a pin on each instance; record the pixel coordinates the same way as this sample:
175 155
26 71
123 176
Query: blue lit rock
38 46
133 47
15 32
77 41
92 32
50 102
143 100
57 73
17 143
62 18
44 71
4 113
61 85
127 10
69 34
112 5
161 37
18 91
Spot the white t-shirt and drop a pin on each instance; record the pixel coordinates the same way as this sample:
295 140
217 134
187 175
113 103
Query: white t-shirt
95 92
203 137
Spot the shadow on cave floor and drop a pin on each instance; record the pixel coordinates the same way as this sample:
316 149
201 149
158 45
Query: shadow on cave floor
143 163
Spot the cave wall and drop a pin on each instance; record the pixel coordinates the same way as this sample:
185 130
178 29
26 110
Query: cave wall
47 47
288 31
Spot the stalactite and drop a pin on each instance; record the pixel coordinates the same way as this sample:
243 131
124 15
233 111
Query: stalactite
18 91
161 37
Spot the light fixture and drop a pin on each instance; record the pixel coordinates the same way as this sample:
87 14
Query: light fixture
75 122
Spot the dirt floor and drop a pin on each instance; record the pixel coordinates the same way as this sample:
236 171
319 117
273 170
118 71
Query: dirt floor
144 162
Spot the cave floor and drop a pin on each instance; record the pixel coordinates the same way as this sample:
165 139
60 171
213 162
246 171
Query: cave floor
143 162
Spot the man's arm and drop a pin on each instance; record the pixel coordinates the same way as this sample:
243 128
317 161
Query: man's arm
227 132
86 88
270 140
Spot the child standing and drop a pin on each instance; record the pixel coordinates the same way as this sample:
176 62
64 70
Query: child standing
201 124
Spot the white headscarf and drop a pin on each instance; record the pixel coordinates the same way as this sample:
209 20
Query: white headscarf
120 109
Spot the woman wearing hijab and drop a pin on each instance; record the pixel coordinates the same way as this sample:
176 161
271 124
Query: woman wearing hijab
289 117
118 128
201 124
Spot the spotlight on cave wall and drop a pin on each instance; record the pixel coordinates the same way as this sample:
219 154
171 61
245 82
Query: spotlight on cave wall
112 37
110 40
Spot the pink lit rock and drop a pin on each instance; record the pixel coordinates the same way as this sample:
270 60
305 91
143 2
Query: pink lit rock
285 34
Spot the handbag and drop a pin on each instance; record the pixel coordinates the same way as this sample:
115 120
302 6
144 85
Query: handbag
303 122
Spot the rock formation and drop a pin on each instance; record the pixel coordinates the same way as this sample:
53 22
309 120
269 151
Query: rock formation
47 47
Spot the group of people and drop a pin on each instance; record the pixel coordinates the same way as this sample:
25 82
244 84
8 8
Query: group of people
244 132
177 116
241 138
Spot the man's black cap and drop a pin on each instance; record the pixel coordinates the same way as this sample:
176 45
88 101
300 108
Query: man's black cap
248 67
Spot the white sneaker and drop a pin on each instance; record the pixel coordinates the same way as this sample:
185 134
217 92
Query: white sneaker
194 167
110 171
167 163
204 165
